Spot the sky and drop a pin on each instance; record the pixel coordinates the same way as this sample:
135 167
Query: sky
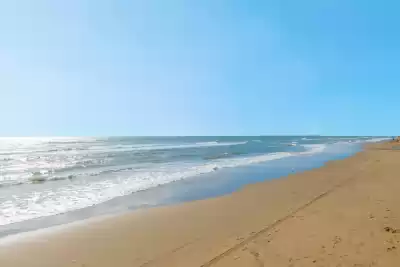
227 67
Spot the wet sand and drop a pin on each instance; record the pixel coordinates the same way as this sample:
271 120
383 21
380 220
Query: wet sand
346 213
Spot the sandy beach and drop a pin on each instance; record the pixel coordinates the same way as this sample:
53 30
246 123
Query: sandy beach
343 214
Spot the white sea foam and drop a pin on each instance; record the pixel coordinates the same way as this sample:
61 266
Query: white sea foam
314 148
108 181
80 194
149 147
109 149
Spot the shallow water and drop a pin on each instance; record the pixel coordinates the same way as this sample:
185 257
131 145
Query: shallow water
48 176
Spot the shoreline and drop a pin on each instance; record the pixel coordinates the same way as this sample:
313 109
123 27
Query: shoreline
217 184
204 232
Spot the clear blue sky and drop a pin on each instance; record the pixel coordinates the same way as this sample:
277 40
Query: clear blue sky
206 67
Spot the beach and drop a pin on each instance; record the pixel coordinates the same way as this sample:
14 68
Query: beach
342 214
199 134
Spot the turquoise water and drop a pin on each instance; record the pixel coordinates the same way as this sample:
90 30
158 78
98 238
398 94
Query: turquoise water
41 177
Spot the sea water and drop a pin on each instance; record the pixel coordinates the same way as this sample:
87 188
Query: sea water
48 176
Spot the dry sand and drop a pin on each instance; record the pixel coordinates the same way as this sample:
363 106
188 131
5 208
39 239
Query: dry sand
346 213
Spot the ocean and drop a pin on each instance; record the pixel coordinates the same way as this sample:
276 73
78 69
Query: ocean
42 177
